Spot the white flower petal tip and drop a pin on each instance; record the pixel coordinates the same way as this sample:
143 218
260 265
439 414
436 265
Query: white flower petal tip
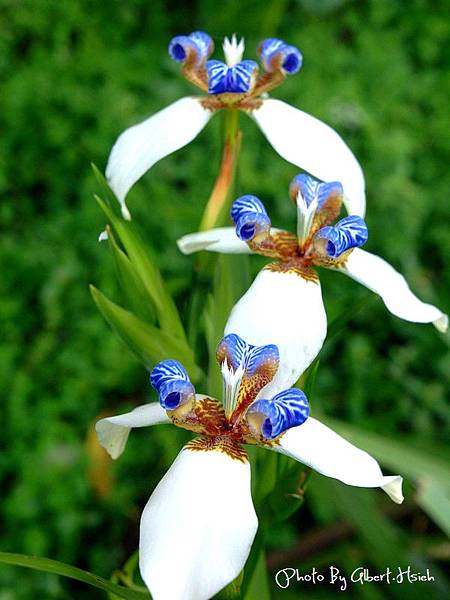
198 527
313 146
319 447
286 310
379 276
113 432
441 324
394 488
221 239
141 146
103 237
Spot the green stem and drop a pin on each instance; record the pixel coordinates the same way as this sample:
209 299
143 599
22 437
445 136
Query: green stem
218 201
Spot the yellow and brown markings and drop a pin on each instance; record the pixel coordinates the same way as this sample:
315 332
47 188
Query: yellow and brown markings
328 212
299 267
224 444
280 245
337 263
206 416
251 385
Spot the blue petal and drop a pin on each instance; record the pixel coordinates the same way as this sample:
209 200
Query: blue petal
277 55
171 381
217 76
287 409
237 79
250 217
311 188
197 47
349 232
240 354
240 77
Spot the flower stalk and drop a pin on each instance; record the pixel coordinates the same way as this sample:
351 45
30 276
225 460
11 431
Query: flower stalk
219 200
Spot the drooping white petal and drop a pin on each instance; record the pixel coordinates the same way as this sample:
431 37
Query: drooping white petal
319 447
198 527
221 239
313 146
141 146
113 432
286 310
380 277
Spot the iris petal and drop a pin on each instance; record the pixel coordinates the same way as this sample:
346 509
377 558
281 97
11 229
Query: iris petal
193 48
311 188
350 232
287 409
236 79
171 381
250 217
277 55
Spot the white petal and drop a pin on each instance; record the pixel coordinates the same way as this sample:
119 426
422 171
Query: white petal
198 527
113 432
221 239
286 310
141 146
319 447
313 146
380 277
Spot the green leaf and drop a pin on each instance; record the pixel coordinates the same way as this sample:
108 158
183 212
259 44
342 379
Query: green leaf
258 586
58 568
166 311
430 473
134 291
149 343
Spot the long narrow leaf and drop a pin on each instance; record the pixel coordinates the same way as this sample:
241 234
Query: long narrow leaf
134 291
147 342
167 312
58 568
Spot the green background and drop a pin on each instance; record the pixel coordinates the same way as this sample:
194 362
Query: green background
74 74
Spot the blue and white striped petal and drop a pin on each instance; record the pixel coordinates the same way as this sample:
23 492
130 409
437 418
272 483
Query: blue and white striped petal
194 48
277 55
246 369
250 217
311 189
217 76
350 232
171 381
239 354
241 77
271 418
237 79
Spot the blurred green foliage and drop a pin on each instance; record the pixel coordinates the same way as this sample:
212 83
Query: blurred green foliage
74 75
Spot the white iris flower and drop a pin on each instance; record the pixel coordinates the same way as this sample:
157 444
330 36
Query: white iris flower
236 84
198 526
284 304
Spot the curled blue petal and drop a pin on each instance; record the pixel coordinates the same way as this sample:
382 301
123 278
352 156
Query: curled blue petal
311 188
171 381
240 354
250 217
195 47
350 232
277 55
287 409
237 79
